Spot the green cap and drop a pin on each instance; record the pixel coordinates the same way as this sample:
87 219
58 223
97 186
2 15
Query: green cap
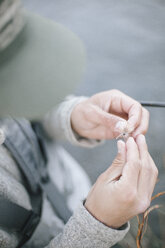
40 68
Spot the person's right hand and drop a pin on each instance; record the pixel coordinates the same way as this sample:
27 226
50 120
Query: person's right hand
125 188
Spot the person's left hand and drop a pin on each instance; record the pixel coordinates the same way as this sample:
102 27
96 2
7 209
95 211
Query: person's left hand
108 114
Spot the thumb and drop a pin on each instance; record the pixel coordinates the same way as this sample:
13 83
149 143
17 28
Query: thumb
121 155
115 170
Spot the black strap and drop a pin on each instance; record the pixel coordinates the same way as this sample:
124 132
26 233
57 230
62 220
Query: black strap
22 149
27 149
18 219
36 138
13 216
56 199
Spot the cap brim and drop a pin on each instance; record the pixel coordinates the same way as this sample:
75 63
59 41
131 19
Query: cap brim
40 68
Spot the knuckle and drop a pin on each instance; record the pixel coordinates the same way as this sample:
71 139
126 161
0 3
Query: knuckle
147 167
147 113
155 171
115 91
101 178
144 127
119 160
143 205
138 105
137 164
144 130
130 196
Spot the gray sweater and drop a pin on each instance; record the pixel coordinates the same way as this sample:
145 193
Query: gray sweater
11 21
82 229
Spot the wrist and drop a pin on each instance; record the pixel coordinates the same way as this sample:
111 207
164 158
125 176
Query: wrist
117 224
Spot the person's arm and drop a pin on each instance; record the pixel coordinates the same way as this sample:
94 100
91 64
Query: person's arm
83 230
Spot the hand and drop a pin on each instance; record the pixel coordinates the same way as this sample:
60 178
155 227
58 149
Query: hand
125 188
108 114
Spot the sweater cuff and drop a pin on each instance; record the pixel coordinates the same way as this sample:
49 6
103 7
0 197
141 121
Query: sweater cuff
83 230
97 231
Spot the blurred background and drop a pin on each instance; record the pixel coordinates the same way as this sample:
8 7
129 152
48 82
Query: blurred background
125 46
125 43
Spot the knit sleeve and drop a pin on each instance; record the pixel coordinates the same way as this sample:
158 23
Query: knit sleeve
11 21
83 230
58 125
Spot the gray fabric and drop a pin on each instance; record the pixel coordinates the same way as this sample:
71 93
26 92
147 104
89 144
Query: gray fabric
11 21
8 240
15 191
82 230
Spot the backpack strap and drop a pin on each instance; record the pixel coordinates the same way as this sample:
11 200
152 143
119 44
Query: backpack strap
35 134
18 219
13 215
56 199
27 148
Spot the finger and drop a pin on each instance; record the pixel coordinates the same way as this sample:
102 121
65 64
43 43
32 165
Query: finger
144 122
132 150
115 170
148 173
155 175
121 156
103 117
127 105
110 120
121 106
142 146
120 126
134 116
115 125
131 169
121 151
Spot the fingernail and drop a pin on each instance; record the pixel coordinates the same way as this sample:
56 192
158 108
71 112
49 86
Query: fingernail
120 145
130 139
130 127
120 126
